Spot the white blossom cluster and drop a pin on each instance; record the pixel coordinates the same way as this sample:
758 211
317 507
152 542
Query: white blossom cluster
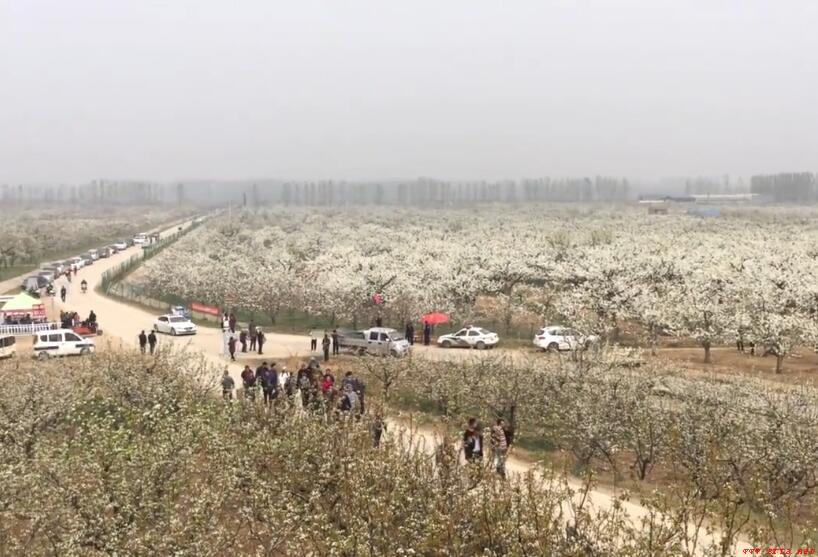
748 275
30 234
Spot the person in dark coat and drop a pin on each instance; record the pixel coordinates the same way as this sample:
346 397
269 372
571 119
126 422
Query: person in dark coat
260 338
473 442
269 382
231 347
249 381
143 341
335 338
243 340
427 333
410 333
325 344
252 330
152 342
231 322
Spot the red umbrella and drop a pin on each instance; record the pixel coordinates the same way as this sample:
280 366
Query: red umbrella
435 318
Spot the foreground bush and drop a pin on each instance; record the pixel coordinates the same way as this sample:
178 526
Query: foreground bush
104 455
733 452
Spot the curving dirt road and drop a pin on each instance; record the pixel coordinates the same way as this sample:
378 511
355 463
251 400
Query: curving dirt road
122 323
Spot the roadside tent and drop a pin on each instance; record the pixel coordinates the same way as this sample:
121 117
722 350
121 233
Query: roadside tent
21 305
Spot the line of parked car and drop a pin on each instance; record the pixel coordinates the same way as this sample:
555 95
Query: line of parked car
384 340
55 269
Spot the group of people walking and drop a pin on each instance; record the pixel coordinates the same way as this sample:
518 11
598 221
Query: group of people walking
317 389
147 342
251 339
500 438
409 332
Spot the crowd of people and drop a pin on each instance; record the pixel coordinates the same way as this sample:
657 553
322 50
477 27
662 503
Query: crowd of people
310 387
71 319
315 389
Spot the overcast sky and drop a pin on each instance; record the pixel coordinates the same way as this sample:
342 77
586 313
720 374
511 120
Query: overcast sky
359 89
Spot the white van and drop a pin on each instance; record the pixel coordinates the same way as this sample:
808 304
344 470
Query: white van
7 346
61 342
141 238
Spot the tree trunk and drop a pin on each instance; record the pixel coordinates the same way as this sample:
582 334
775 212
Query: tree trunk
706 352
779 362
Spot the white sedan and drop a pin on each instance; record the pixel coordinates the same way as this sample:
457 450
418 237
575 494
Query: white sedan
174 325
469 337
562 338
120 246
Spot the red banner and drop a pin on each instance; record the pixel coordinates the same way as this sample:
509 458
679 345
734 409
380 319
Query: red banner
201 308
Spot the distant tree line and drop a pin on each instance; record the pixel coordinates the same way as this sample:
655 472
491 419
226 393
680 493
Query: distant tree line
421 192
798 187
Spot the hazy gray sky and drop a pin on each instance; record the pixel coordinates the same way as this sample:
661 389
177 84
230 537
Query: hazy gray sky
374 89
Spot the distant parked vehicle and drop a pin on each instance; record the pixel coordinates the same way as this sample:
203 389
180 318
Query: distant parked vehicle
58 267
107 251
140 239
181 311
121 245
8 346
61 342
77 262
558 338
94 253
34 283
88 258
47 274
381 341
174 325
469 337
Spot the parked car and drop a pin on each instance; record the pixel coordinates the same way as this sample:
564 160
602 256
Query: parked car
469 337
140 239
58 267
94 253
377 340
34 283
48 274
180 311
61 342
557 338
55 274
174 325
107 251
88 258
78 262
121 245
8 346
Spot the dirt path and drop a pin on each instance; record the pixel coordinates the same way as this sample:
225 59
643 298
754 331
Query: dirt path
122 323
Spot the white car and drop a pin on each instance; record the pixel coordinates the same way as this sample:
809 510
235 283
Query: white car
77 262
140 239
469 337
120 246
562 338
61 342
174 325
